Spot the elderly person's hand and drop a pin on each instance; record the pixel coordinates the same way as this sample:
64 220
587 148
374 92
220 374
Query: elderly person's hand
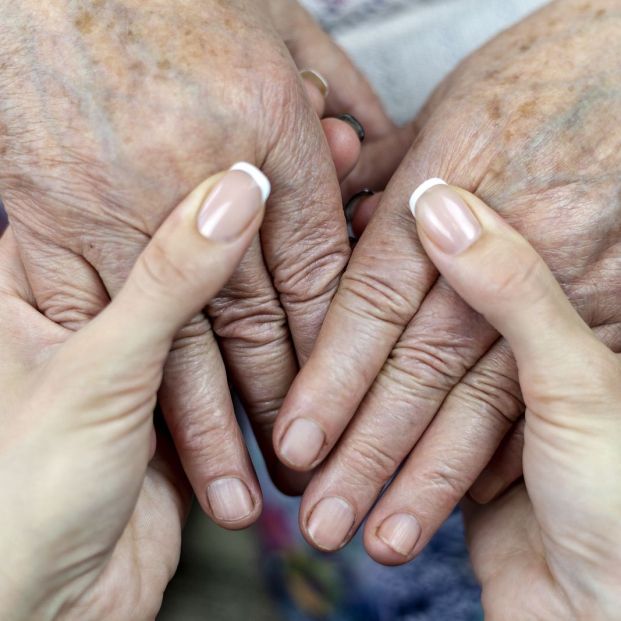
91 524
548 549
532 122
111 112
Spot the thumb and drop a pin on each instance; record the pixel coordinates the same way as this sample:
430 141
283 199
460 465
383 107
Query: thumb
497 272
188 261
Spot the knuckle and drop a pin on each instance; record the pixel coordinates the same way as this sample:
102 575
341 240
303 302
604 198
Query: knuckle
314 273
70 309
190 339
202 436
449 479
492 393
371 295
367 461
429 363
254 321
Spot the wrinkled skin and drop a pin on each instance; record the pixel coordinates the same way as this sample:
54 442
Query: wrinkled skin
531 123
111 112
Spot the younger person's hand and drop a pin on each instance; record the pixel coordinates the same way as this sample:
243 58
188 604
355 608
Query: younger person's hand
551 548
90 522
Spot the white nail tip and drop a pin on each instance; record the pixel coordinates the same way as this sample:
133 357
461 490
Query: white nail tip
421 189
259 178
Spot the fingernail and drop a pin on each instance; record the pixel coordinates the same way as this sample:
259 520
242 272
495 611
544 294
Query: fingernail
330 523
400 532
229 499
350 210
233 203
302 443
486 487
444 217
317 79
355 124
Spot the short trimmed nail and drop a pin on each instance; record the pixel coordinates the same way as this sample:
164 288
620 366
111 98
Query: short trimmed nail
444 217
486 487
233 203
302 443
230 499
330 523
400 532
317 79
356 125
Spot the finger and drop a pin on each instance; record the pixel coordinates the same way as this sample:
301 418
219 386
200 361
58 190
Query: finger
344 145
504 468
371 309
317 89
360 210
188 261
254 337
349 90
398 408
459 442
478 412
501 276
304 234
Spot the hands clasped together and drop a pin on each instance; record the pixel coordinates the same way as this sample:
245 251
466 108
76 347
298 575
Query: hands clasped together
419 353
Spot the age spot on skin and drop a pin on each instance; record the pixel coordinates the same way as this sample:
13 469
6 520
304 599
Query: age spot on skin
527 109
85 22
494 109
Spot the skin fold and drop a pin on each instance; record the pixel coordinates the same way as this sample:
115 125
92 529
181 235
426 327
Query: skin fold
112 111
403 369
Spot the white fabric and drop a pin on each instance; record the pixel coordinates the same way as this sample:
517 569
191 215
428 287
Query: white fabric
406 47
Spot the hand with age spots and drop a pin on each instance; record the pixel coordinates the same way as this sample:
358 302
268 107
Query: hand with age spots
111 111
403 371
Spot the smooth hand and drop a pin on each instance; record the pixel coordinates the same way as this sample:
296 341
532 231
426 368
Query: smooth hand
403 371
90 519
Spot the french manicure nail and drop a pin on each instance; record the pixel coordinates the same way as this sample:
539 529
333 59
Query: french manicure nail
355 124
400 532
444 217
330 523
302 443
317 79
233 203
229 499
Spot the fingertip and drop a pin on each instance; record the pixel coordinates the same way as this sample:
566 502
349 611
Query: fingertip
232 502
344 144
386 542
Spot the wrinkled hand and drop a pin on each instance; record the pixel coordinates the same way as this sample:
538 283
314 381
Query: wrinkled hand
91 525
113 111
531 122
549 549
